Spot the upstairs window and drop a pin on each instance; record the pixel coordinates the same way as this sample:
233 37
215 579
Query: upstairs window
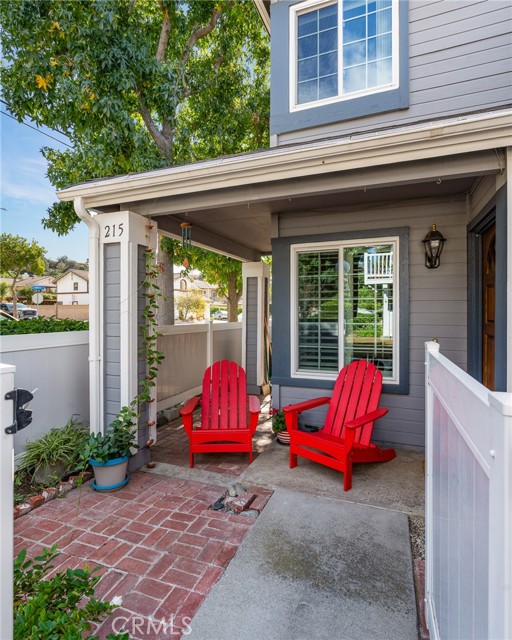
342 50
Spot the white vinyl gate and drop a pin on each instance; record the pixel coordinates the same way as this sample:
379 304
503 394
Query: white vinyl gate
6 502
468 505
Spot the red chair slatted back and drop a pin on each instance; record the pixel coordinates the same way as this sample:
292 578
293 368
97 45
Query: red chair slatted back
356 393
224 399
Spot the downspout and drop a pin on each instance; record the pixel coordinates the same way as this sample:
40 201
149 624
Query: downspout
95 387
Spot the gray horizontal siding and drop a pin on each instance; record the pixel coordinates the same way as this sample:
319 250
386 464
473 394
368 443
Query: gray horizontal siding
437 304
111 332
459 62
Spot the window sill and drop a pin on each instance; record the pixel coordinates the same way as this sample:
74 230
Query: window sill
321 383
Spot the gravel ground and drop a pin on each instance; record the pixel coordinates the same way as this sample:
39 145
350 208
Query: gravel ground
417 532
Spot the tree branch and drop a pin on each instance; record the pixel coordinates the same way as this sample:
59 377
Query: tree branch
198 32
163 142
167 130
164 35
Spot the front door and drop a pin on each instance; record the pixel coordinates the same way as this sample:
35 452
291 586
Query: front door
489 304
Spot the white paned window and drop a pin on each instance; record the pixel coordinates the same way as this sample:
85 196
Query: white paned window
344 307
341 50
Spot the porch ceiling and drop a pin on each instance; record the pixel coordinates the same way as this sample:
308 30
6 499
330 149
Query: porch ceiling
230 201
243 229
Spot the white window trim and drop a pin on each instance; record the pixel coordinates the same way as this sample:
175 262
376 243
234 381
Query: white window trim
295 250
303 7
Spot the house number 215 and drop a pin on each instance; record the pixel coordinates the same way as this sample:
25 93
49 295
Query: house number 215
114 230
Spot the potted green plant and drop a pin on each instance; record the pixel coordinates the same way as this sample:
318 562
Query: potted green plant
279 427
109 453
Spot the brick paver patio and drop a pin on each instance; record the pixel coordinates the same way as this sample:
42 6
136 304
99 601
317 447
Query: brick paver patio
155 541
172 447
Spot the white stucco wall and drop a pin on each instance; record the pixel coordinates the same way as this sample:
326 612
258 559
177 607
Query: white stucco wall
66 293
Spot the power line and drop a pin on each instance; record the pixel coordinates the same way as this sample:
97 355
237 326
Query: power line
4 113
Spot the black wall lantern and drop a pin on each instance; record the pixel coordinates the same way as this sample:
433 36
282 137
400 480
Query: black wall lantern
434 243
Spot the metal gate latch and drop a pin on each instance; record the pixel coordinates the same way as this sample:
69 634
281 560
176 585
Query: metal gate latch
21 417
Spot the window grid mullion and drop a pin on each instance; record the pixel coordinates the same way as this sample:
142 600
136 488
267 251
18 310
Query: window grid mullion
340 48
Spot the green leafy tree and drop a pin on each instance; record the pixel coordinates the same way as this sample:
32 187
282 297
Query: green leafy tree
24 291
135 85
191 302
18 254
5 289
215 268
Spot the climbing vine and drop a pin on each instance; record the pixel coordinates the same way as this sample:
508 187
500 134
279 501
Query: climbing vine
148 330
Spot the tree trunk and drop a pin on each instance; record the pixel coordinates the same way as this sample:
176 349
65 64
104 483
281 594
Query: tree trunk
232 298
14 298
166 284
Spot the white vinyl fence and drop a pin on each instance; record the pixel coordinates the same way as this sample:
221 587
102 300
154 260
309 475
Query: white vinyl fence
189 350
468 505
56 364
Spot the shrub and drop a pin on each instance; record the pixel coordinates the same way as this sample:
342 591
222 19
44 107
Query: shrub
42 325
62 606
56 453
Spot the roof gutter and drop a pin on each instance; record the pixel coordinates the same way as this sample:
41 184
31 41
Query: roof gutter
488 131
95 394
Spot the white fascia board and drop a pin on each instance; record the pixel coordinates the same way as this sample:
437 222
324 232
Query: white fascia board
263 13
438 139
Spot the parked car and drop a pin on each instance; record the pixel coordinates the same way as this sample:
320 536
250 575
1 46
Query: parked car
22 310
221 314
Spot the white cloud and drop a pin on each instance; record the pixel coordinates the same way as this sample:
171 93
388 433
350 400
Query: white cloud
27 181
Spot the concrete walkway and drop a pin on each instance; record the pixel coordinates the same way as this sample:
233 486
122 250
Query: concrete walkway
315 568
397 485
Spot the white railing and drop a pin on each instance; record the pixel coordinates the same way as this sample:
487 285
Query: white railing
56 364
189 350
468 505
378 268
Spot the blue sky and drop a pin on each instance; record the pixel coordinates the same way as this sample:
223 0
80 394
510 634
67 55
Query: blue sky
26 192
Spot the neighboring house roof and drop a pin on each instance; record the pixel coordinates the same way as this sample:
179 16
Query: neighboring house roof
194 283
47 281
200 284
78 272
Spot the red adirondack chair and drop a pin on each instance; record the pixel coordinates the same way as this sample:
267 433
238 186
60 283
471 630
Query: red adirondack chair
345 437
225 423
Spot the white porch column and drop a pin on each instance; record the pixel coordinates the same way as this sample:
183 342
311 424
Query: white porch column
6 503
123 238
255 325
